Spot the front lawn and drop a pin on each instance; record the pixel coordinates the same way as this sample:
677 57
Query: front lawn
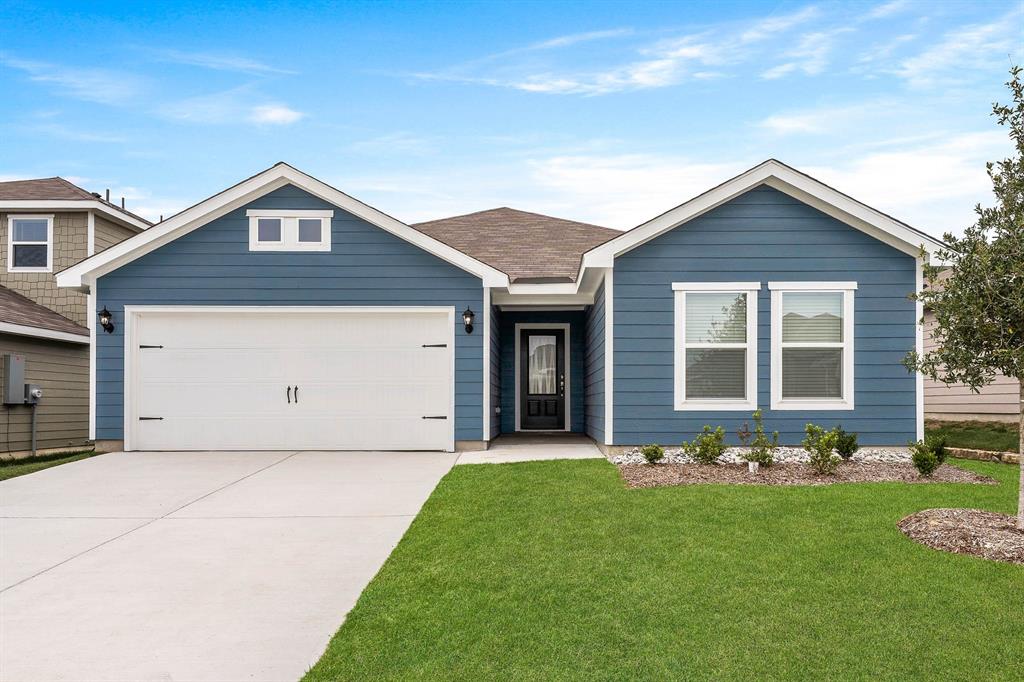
10 468
554 570
997 436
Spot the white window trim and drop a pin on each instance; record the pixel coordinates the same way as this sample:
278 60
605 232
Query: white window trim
847 344
49 241
750 290
289 230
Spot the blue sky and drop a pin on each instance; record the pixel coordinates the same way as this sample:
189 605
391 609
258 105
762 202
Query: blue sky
603 112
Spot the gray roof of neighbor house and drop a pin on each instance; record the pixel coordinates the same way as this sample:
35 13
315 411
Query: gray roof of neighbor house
16 309
528 247
54 189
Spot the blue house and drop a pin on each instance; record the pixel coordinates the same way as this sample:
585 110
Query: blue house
282 313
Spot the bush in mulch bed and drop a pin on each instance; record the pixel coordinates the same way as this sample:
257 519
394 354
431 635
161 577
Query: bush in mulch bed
967 531
644 476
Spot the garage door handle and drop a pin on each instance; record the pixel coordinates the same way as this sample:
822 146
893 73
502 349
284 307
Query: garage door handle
435 345
296 395
441 417
289 395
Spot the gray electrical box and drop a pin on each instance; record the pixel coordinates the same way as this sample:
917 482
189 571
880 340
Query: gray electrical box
14 379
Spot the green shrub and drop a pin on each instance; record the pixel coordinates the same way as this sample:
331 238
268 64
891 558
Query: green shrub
924 458
937 444
846 443
653 453
762 448
820 444
707 447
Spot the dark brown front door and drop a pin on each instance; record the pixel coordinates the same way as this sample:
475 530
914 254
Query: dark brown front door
542 379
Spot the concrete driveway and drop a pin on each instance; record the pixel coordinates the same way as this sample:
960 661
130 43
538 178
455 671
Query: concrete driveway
195 566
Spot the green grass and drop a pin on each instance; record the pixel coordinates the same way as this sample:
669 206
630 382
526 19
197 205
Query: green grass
978 435
554 570
11 468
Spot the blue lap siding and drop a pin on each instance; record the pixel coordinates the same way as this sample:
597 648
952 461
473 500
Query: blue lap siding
594 367
763 235
366 266
576 321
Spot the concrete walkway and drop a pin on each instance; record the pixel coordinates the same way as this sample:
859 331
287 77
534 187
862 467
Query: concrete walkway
527 447
195 566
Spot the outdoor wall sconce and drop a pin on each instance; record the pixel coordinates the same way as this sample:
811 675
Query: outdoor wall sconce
467 319
106 320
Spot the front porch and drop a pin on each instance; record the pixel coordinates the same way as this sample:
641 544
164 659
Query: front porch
529 447
539 373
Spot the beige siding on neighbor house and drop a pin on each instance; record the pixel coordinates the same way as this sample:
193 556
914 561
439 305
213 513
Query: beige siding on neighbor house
62 417
109 233
70 232
999 401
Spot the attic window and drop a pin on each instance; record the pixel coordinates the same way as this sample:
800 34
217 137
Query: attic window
289 230
30 243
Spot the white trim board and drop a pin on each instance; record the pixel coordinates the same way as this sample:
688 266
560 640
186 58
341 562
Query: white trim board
235 197
487 363
919 346
74 205
132 313
40 333
519 326
609 356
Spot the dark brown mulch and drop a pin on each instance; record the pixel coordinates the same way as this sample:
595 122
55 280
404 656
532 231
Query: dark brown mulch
967 531
651 476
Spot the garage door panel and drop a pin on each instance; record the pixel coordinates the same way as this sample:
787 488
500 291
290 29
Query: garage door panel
366 380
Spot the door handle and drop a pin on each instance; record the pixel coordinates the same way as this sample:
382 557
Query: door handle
296 395
289 395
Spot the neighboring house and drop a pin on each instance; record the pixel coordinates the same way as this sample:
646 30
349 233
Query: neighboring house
282 313
998 401
47 225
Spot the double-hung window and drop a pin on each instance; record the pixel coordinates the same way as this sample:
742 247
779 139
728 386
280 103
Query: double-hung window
274 230
716 345
30 243
812 345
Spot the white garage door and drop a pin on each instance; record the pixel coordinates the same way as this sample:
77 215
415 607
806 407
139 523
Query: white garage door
290 379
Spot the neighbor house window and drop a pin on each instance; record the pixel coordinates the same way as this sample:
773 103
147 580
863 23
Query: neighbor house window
30 243
812 345
274 230
716 345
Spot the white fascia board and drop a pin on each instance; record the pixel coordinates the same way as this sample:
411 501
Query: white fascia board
73 205
40 333
244 192
785 179
503 298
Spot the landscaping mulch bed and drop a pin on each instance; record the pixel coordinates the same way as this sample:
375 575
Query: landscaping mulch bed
651 476
967 531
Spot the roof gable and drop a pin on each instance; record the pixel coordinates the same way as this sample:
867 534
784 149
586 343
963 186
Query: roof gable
239 195
56 193
783 178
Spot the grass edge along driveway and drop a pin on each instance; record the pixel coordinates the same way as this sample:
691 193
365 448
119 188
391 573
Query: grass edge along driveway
554 570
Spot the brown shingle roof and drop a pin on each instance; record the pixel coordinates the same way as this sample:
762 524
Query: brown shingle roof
525 246
16 309
53 189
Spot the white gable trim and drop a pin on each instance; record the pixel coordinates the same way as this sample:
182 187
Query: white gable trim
235 197
785 179
40 333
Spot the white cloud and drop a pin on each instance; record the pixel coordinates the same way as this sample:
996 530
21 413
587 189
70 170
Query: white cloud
965 49
576 38
64 132
220 62
810 55
766 28
92 85
887 9
274 114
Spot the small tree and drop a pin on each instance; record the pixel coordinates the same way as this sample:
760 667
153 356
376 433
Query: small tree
979 308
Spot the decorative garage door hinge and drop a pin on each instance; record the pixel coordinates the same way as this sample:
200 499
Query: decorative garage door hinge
441 417
435 345
145 346
151 419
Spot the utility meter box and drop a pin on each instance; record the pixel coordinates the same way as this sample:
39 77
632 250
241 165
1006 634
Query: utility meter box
14 379
33 394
